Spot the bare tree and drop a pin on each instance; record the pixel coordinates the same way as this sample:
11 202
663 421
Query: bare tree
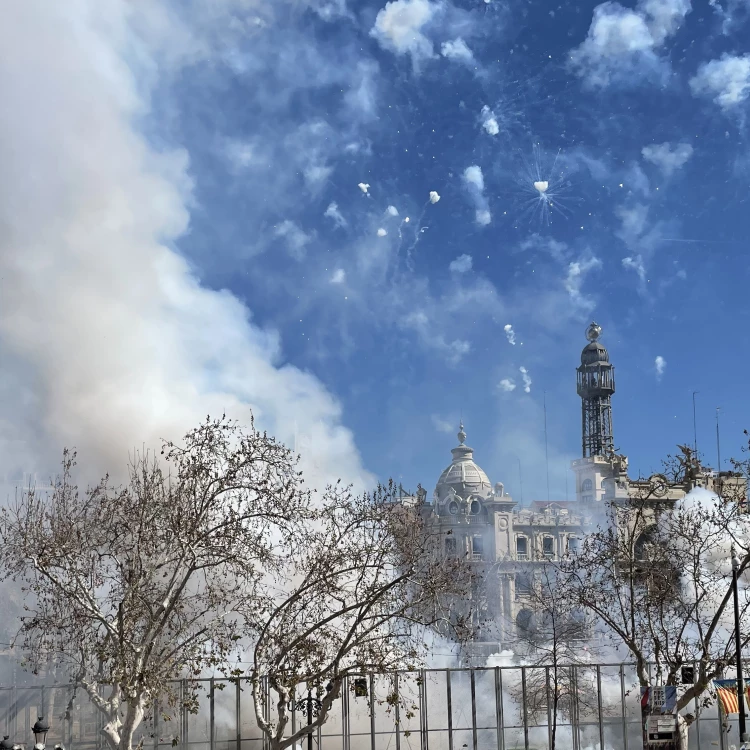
363 596
131 587
553 639
656 576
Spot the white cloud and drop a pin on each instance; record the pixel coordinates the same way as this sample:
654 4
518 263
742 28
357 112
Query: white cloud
392 211
473 176
364 187
398 27
296 239
726 80
526 379
457 49
108 337
667 157
574 279
660 364
635 263
622 43
507 385
483 216
453 351
434 197
489 121
474 182
510 334
332 212
382 232
338 276
442 425
462 264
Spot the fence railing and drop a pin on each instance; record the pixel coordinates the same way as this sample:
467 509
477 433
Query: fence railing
580 707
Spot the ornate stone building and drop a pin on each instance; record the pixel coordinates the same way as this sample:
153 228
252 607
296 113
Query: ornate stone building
508 543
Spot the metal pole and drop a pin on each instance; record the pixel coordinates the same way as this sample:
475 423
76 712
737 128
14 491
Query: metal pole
473 710
623 708
309 719
546 454
738 647
450 707
695 428
499 709
525 712
599 704
238 712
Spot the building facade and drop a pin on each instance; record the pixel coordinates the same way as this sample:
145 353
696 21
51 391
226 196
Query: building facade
509 544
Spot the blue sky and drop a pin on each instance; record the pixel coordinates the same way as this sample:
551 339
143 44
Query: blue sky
231 183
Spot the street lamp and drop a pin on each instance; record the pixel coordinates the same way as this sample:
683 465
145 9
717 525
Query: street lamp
40 729
737 643
311 707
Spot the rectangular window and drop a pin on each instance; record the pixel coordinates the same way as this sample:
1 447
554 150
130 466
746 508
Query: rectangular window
523 584
450 545
477 547
572 545
522 549
548 546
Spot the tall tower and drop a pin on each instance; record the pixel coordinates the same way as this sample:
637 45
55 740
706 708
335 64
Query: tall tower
595 385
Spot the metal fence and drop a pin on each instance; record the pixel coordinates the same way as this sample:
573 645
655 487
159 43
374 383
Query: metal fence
491 708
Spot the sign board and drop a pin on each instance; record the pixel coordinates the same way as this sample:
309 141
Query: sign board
659 713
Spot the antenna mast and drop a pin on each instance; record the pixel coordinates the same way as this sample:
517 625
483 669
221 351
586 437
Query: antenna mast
695 428
546 453
718 446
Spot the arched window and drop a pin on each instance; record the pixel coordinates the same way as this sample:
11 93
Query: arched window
453 508
587 485
476 506
525 620
642 544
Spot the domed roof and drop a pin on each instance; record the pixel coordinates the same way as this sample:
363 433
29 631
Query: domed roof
463 476
594 352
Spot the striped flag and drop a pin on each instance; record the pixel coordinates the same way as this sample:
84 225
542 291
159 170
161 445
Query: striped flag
727 692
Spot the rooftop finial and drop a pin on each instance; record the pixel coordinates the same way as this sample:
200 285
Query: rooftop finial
461 433
593 331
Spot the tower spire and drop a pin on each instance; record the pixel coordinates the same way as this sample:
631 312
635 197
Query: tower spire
595 386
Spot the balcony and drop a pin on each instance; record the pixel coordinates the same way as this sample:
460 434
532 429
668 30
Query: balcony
476 556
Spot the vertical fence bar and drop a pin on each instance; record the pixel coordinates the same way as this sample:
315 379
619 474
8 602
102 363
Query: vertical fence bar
599 711
722 743
697 710
397 712
70 718
238 713
211 714
450 708
549 706
185 717
424 724
576 709
525 711
156 724
499 718
473 710
345 713
624 709
372 713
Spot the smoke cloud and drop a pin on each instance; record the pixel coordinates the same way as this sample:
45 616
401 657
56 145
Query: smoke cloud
109 341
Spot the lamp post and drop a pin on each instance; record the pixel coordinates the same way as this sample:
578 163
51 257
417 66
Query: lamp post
737 643
310 706
40 729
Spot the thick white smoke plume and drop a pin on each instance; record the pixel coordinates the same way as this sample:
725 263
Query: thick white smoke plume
108 339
